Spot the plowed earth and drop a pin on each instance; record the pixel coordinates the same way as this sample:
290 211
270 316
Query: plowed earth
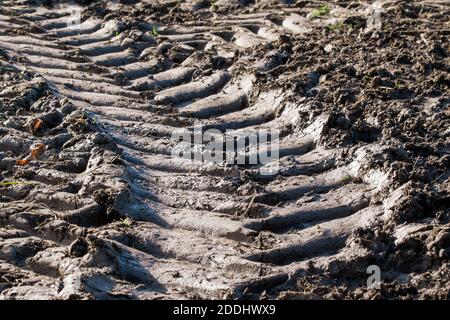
93 205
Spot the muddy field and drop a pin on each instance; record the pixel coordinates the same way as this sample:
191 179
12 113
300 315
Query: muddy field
93 204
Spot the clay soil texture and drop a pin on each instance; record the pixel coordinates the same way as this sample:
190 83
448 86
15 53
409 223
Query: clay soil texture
93 204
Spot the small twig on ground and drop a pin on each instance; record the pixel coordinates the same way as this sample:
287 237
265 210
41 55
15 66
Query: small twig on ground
249 205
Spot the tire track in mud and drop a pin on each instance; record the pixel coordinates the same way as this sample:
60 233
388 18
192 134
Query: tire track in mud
177 228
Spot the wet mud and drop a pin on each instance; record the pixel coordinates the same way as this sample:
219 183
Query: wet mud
94 206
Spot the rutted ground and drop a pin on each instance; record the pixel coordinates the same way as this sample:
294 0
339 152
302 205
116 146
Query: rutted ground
94 206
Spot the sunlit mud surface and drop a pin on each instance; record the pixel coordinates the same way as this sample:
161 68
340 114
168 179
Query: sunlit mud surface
94 206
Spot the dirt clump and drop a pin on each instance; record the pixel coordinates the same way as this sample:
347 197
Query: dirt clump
94 204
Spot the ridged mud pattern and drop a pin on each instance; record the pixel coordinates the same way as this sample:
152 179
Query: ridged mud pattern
141 224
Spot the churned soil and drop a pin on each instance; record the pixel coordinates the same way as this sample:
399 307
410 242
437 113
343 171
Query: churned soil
93 204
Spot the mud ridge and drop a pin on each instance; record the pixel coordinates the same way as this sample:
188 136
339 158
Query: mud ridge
94 204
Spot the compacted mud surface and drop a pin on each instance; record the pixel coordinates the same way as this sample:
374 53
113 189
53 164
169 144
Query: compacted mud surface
94 206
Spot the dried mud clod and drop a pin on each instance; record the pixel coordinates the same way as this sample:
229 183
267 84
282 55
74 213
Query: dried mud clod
93 205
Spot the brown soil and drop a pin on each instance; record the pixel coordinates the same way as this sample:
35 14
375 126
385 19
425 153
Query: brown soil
93 205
